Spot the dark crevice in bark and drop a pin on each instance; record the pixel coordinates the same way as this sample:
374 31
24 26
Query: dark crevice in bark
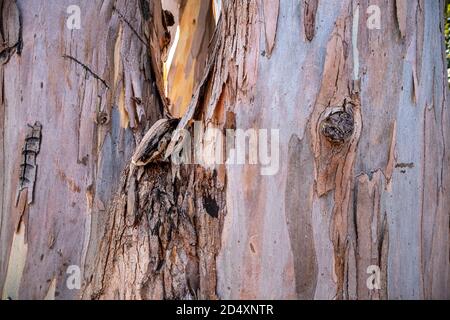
87 68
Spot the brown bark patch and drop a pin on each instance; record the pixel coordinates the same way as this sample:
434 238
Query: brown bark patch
401 7
298 217
164 247
10 30
371 233
309 18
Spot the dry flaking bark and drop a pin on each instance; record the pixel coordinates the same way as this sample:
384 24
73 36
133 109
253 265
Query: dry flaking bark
163 234
93 92
353 193
181 235
163 229
196 26
349 167
363 120
371 236
299 219
334 162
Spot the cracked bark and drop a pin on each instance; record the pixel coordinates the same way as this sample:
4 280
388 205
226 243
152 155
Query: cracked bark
343 200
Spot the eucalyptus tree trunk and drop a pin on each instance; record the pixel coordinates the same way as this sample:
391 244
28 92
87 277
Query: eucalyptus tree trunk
350 203
88 82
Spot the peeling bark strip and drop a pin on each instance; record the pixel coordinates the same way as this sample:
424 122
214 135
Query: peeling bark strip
163 229
85 143
196 26
153 145
158 41
132 28
401 7
28 165
10 30
194 106
309 231
271 8
309 17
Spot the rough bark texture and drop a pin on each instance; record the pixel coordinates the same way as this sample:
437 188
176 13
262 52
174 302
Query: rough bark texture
364 155
301 83
163 234
92 92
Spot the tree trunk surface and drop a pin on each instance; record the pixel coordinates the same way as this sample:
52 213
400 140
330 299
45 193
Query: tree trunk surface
336 204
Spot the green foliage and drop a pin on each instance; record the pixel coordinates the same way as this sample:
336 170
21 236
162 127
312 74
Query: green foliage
447 35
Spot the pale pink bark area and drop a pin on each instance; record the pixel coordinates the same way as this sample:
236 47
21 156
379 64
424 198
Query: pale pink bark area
312 230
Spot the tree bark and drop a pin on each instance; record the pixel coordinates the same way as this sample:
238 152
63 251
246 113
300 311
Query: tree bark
91 90
363 124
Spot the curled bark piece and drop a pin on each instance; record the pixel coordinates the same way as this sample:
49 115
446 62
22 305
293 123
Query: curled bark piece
155 142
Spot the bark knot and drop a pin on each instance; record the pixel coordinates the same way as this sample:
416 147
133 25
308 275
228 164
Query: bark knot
338 125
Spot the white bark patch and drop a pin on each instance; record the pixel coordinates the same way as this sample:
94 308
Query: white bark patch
355 30
16 265
51 290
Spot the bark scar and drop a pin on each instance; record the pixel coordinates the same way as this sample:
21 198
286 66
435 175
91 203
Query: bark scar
338 126
28 165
